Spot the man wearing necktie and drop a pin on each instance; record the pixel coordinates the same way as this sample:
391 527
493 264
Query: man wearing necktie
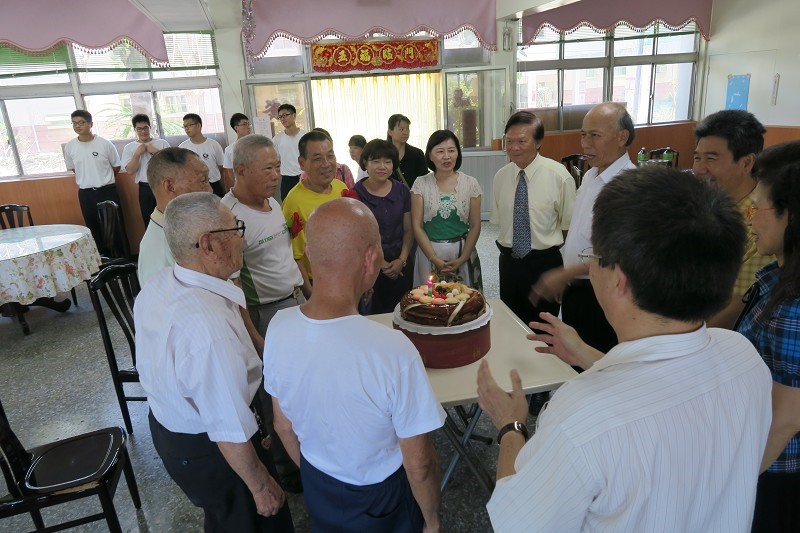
532 203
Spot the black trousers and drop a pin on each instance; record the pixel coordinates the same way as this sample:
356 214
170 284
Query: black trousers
88 199
147 202
517 275
287 184
581 310
216 188
338 507
200 470
776 501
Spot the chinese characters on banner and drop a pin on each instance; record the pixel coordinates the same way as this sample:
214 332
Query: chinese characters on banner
372 55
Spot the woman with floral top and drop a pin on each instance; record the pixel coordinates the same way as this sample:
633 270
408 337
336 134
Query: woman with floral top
446 216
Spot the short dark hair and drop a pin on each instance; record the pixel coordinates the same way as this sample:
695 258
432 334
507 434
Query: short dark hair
81 113
377 149
193 116
778 169
357 140
397 118
165 162
139 118
287 107
680 243
742 130
311 136
236 118
437 138
626 123
326 132
527 118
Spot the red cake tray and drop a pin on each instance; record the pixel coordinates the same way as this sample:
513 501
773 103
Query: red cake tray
448 347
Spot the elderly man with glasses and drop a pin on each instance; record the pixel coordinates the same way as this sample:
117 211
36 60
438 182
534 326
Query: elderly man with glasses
135 157
201 373
286 142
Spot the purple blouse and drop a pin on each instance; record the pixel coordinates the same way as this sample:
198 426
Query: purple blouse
388 211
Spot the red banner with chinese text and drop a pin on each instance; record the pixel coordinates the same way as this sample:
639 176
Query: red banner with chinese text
373 55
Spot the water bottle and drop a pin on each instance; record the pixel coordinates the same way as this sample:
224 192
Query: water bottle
641 157
668 156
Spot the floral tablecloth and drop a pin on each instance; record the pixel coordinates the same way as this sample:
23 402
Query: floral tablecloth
39 261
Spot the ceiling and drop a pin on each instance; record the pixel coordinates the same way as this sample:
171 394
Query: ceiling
192 15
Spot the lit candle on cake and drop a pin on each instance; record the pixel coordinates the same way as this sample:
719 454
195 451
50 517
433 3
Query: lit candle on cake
430 285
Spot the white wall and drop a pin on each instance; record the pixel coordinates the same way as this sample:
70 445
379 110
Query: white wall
231 73
761 39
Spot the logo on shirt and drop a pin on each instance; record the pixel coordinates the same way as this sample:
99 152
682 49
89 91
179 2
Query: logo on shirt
205 156
274 235
95 154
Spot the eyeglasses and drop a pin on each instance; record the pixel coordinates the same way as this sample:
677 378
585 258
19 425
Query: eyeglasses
190 125
586 256
242 125
240 227
142 128
752 210
286 115
80 123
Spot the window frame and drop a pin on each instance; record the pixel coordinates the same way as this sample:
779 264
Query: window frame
608 64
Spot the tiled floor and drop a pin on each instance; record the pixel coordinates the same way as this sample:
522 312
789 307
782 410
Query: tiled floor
54 384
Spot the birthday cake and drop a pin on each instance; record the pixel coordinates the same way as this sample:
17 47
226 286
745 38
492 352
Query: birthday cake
444 304
447 322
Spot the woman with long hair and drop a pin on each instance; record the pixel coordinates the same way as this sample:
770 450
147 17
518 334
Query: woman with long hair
446 216
771 321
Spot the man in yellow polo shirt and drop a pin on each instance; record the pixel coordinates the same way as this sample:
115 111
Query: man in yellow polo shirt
318 161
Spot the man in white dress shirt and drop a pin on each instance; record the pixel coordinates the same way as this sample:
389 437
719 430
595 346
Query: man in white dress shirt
606 133
135 157
666 431
352 401
201 373
209 150
172 172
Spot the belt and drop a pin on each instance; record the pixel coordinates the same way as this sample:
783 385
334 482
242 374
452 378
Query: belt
452 239
295 294
109 186
508 252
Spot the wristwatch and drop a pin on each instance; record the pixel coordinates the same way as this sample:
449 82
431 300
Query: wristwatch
513 426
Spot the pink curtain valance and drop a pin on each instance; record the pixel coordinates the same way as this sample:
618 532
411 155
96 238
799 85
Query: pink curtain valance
605 14
43 25
353 19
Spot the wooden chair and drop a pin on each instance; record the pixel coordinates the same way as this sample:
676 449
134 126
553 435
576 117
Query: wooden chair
576 166
64 471
115 240
117 286
658 153
13 216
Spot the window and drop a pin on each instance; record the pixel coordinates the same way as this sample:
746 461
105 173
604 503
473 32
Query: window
39 92
475 106
561 76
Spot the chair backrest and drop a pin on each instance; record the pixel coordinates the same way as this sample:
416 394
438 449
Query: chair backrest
14 460
113 233
13 216
658 153
576 166
118 286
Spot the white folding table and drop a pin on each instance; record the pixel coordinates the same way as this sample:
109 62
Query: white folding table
458 386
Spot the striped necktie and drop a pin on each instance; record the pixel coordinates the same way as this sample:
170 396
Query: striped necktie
521 243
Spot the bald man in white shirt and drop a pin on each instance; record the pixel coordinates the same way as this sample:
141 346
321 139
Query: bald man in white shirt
666 431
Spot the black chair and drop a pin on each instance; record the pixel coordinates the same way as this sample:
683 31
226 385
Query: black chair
118 286
576 166
658 153
64 471
115 240
13 216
